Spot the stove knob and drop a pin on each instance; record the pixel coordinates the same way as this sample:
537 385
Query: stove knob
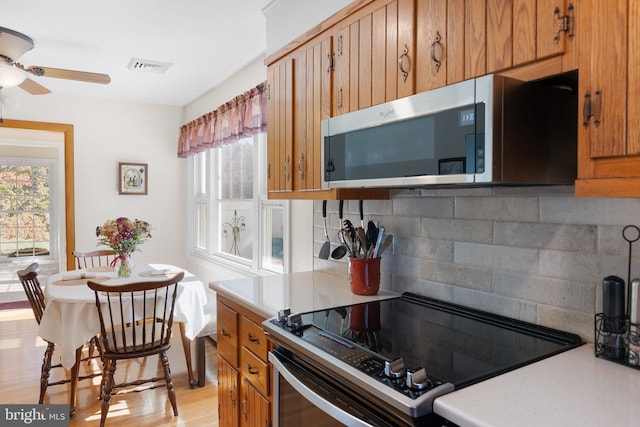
294 320
417 379
283 315
394 368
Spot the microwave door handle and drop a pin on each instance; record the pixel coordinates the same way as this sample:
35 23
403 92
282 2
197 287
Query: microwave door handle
319 401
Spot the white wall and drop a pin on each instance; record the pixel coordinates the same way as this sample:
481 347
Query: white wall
108 132
288 19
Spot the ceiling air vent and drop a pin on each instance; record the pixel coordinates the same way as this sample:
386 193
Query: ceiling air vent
158 67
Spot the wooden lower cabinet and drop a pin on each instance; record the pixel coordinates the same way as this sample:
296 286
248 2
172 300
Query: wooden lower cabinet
244 373
228 394
255 409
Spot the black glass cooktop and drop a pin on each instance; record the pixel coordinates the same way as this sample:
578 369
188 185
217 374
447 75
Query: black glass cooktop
453 343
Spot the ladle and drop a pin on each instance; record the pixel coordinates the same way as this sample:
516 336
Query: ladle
340 251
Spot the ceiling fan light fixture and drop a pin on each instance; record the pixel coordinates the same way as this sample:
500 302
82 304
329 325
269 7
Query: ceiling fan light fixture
11 76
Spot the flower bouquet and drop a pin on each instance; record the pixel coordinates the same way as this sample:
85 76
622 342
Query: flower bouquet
123 235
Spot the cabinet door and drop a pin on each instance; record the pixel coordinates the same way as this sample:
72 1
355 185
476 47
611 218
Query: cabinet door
608 148
280 134
228 394
432 44
381 49
313 76
604 76
475 39
255 410
227 334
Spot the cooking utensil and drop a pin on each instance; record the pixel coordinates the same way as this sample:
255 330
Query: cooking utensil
388 239
350 235
378 244
360 208
341 250
326 246
372 234
362 238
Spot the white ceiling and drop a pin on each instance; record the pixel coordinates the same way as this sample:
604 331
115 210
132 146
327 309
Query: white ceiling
205 40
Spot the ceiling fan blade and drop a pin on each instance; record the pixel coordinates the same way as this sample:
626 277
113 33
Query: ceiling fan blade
33 88
60 73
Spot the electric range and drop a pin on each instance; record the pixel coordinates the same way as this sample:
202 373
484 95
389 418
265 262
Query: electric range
392 358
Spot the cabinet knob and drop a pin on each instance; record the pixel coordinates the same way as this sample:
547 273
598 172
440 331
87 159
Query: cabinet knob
252 371
251 338
224 333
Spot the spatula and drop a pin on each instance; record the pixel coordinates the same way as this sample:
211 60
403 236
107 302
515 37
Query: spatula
325 250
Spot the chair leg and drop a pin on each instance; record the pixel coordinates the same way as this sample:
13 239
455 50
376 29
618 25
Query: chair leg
46 368
167 378
107 387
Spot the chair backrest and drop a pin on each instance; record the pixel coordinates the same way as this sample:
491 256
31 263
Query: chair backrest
98 258
136 318
29 279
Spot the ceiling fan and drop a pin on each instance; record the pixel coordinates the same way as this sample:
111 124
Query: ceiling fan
12 46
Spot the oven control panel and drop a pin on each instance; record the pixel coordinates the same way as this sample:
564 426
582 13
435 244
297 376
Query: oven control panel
411 382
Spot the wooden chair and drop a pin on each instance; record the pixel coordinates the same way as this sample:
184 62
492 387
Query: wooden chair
92 259
135 321
29 279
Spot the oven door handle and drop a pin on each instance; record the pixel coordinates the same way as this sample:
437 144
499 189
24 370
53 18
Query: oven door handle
319 401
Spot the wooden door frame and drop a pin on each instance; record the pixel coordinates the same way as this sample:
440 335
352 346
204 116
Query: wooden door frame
69 199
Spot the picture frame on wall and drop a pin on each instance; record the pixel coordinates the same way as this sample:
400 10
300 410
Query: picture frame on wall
133 178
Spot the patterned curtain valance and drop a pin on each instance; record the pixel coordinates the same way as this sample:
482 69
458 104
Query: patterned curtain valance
243 116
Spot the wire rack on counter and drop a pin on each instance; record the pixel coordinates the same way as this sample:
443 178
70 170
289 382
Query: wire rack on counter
617 340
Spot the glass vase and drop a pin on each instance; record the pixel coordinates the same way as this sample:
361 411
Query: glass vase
124 265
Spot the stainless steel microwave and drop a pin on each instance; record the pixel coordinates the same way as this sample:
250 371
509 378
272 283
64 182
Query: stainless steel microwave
488 130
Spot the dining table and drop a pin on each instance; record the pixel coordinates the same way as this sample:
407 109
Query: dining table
70 318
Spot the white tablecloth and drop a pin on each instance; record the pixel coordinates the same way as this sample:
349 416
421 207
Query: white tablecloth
71 317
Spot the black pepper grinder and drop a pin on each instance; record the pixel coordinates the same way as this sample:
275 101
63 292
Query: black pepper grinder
613 308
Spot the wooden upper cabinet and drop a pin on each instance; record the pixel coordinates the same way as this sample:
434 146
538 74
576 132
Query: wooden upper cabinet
280 129
313 87
608 147
374 56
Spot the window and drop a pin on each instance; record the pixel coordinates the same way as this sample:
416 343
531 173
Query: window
232 218
26 199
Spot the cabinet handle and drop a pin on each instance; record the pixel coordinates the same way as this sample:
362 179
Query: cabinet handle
436 61
243 408
285 168
252 339
403 70
301 166
252 371
225 333
233 400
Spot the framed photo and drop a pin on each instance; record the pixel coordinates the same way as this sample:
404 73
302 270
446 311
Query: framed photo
133 178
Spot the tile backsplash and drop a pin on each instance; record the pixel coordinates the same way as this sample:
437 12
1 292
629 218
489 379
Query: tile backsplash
537 254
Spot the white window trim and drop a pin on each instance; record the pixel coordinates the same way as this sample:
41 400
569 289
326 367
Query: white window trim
54 204
211 255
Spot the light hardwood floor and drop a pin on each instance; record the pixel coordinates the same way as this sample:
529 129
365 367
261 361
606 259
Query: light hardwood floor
21 354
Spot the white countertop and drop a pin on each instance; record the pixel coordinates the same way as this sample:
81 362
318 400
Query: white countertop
301 292
573 388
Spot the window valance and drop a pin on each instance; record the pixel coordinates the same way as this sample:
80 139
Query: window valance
243 116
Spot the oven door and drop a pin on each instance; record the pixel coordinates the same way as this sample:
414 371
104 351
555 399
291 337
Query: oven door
302 397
